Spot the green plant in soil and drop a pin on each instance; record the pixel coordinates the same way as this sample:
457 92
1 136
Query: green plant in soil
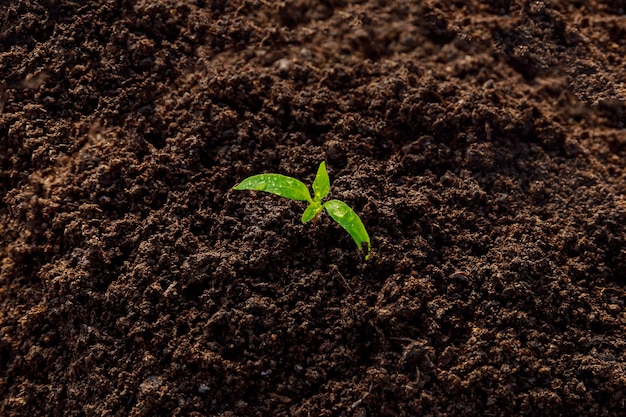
294 189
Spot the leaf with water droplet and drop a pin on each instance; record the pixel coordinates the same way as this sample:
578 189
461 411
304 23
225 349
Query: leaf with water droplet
321 184
351 222
278 184
311 211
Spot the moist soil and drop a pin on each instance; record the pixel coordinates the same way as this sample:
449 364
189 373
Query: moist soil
481 142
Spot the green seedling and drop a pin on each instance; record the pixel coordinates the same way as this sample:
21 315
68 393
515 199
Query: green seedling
294 189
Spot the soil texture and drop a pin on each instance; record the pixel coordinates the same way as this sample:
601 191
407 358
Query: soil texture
481 142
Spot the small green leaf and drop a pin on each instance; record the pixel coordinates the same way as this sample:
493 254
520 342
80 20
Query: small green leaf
278 184
311 211
349 220
321 184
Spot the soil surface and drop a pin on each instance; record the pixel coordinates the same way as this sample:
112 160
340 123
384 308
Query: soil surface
482 143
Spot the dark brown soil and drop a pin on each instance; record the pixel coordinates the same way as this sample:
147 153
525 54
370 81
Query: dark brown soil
482 143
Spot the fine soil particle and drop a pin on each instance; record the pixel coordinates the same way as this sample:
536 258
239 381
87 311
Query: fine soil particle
482 143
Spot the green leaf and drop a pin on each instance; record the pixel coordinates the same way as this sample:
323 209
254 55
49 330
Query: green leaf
321 184
349 220
278 184
311 211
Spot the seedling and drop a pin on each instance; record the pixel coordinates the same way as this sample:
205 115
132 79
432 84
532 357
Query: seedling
294 189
